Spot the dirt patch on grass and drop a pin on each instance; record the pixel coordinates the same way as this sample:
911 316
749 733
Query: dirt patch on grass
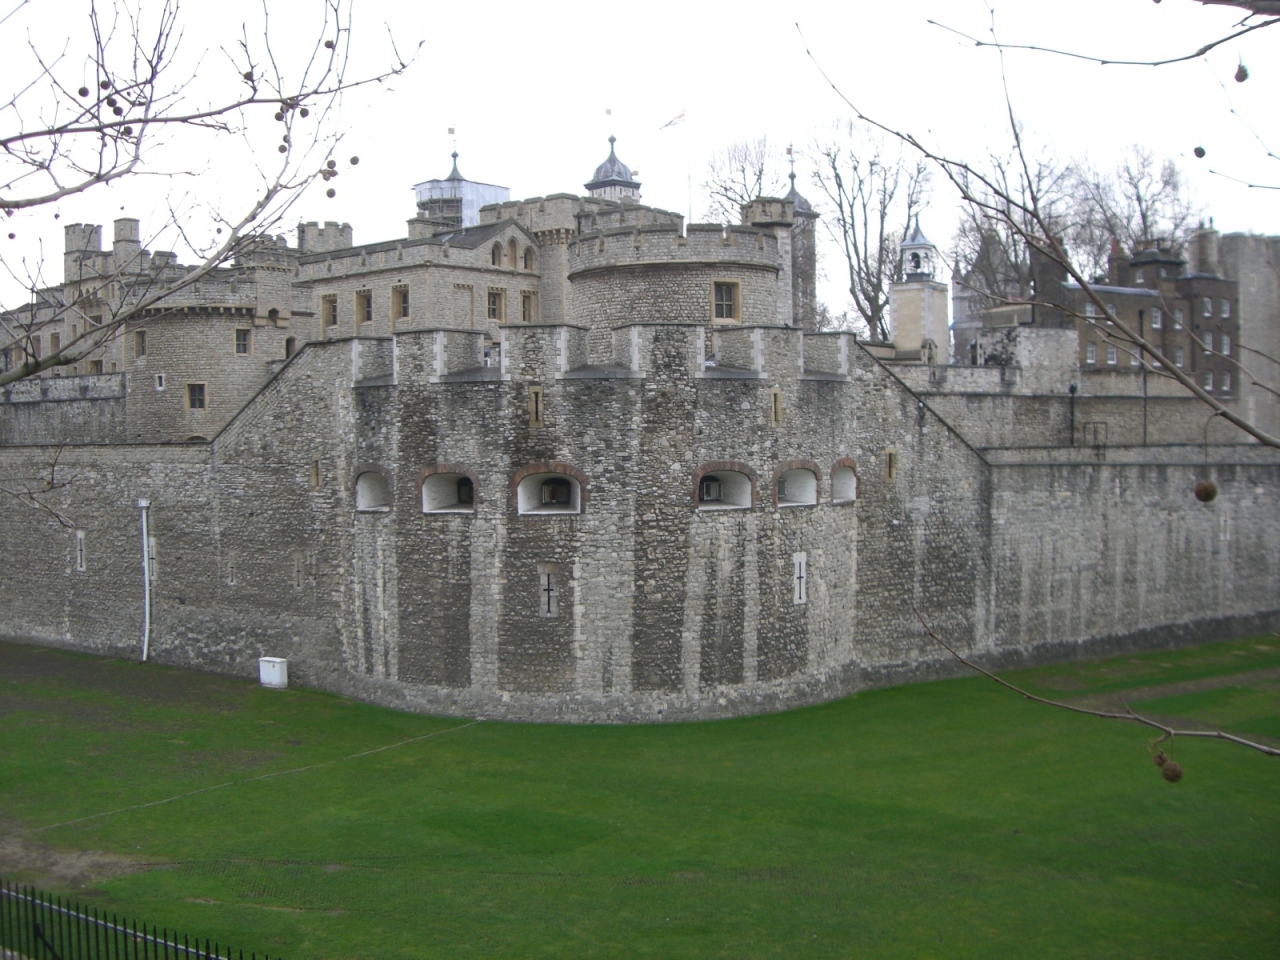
1116 699
27 665
30 860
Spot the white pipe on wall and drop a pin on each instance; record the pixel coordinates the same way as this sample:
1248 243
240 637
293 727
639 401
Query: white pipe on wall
146 579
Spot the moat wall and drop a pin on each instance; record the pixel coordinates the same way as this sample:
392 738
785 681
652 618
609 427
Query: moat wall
664 610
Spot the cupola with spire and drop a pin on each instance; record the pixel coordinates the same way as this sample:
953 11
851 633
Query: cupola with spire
613 179
919 255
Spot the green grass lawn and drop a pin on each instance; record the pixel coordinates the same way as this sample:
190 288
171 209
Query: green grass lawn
948 819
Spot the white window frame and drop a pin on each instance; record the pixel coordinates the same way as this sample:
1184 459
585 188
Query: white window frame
799 578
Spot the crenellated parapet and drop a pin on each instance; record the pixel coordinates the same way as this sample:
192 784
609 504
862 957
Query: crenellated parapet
703 244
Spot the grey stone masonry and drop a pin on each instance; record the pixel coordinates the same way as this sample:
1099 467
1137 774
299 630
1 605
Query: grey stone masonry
633 534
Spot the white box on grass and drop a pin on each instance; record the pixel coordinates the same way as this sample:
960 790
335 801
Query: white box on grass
273 672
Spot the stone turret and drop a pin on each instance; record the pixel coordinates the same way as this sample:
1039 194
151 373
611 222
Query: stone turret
918 321
804 259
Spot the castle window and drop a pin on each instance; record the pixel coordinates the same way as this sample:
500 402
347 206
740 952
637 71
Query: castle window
1208 307
1111 313
1179 356
329 311
497 304
549 493
80 558
372 492
273 314
1156 318
1208 379
844 485
530 258
536 410
495 255
799 578
364 306
548 590
1226 344
727 303
513 254
242 343
35 347
139 344
400 303
1177 319
775 407
1090 309
890 465
1208 342
1090 352
1138 278
55 343
317 476
159 381
95 366
797 488
448 493
915 263
1226 309
290 346
195 396
724 490
1133 357
1111 354
1226 381
528 308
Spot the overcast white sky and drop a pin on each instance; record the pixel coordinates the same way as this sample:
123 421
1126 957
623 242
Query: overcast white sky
527 87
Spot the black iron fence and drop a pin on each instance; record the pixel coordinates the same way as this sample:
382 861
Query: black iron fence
38 926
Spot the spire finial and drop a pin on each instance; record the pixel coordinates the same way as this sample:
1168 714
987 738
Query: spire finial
612 141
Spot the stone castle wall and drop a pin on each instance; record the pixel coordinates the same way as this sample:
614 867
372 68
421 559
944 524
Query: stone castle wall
665 610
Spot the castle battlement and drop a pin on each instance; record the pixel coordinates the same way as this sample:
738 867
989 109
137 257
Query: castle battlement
665 243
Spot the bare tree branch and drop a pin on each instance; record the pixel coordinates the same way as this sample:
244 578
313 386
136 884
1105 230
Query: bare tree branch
1258 7
1167 732
1041 237
100 134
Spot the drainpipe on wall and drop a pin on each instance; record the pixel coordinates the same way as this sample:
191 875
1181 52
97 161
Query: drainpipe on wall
144 505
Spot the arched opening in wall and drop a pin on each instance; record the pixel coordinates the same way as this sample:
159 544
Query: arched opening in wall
495 255
196 438
844 484
513 254
530 258
290 346
797 488
549 493
372 492
273 314
448 493
724 490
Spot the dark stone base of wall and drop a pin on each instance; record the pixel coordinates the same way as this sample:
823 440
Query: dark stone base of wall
731 702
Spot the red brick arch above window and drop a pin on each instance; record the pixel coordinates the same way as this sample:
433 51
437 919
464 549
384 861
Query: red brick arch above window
785 465
736 466
548 466
458 468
